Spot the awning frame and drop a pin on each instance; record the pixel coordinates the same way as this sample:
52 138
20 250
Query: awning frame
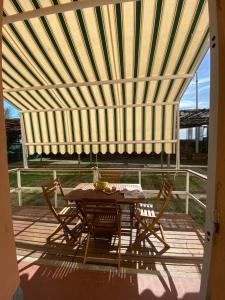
59 8
102 143
101 107
97 83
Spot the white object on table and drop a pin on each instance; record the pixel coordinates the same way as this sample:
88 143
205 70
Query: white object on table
132 193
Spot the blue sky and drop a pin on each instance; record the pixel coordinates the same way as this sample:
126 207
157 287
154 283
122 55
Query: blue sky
188 99
13 112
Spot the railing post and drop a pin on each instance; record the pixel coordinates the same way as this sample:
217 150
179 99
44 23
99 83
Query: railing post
139 177
20 197
187 193
18 177
56 196
178 138
23 139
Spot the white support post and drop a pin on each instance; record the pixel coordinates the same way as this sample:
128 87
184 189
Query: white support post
178 138
20 198
19 192
56 195
197 128
54 174
139 177
23 140
187 193
18 177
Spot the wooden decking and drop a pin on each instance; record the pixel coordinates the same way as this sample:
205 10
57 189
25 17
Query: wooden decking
32 225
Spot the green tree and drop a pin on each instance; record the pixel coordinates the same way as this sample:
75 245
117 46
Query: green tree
7 112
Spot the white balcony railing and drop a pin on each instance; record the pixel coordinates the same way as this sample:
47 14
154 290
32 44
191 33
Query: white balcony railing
136 174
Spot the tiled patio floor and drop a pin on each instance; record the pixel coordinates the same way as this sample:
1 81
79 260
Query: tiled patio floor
53 272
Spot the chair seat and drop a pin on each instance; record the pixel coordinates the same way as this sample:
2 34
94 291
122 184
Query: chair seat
145 210
68 211
105 221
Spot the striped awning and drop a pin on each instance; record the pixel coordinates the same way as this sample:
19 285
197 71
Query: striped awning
93 77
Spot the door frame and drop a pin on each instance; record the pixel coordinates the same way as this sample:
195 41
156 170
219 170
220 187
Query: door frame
211 214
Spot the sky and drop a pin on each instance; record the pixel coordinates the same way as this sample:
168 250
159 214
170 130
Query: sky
188 100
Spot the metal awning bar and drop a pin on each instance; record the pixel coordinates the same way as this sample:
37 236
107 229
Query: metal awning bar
60 8
101 107
101 143
97 83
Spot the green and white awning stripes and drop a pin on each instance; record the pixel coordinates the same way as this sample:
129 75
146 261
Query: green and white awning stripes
51 64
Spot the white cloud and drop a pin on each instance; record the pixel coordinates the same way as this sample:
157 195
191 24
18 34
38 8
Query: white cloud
187 104
204 88
204 80
203 104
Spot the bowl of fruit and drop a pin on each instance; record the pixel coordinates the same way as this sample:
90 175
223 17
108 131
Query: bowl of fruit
101 185
109 190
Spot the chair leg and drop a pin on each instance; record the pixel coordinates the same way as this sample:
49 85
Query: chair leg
162 240
150 230
58 228
86 248
144 233
78 242
163 235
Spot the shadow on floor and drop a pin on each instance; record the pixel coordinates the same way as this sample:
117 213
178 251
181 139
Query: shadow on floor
65 280
52 271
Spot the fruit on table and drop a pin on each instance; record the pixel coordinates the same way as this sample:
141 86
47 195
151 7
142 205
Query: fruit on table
101 185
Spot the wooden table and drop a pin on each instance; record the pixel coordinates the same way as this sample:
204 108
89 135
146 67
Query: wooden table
87 191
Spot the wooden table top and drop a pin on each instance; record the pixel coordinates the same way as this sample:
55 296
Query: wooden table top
87 191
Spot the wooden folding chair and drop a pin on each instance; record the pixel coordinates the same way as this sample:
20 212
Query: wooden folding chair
148 220
112 177
102 219
67 216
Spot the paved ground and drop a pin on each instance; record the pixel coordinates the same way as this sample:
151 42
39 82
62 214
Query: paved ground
51 271
63 282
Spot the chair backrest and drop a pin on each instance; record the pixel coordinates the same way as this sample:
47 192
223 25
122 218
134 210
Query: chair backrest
165 194
49 191
108 209
110 177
